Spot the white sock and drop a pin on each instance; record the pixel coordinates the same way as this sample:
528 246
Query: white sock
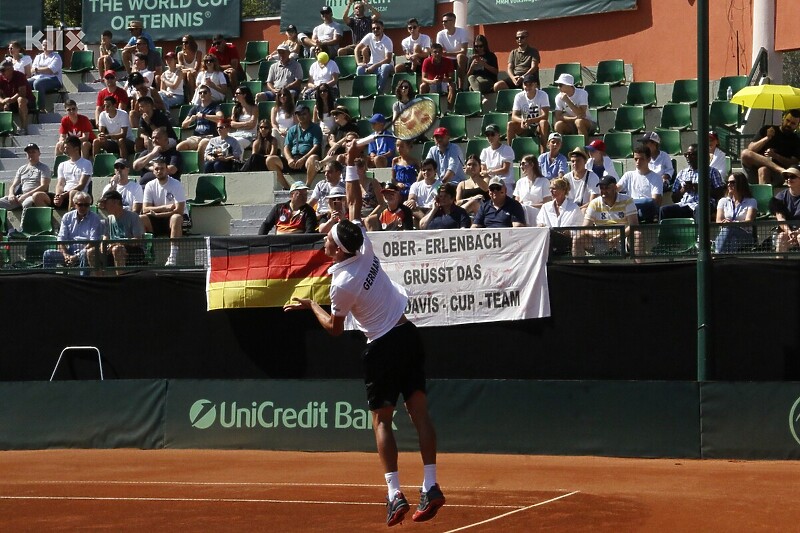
173 251
430 477
393 482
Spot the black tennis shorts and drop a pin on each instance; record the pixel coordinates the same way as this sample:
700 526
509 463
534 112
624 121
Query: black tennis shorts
393 365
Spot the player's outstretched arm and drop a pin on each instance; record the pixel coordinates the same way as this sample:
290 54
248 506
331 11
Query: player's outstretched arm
352 183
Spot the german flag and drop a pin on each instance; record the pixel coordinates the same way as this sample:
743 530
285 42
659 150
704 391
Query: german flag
266 271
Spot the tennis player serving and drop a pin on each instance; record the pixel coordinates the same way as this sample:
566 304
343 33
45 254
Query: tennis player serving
393 359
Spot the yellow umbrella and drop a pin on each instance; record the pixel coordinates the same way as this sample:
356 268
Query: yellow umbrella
779 97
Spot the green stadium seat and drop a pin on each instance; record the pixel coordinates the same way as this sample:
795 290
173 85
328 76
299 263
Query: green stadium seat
103 165
82 62
159 51
184 112
263 69
456 126
305 63
347 67
619 167
36 221
210 190
189 162
641 93
408 76
570 142
426 147
505 100
670 141
265 110
523 146
677 116
475 146
310 104
685 92
569 68
227 108
59 159
611 71
6 123
364 127
255 86
552 92
734 82
629 118
383 104
676 236
255 52
352 103
599 95
365 86
763 194
500 119
35 248
723 113
619 145
468 104
3 221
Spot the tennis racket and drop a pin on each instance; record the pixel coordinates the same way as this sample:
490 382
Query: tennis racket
416 119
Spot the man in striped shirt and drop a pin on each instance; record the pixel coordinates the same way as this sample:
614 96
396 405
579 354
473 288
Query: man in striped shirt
611 208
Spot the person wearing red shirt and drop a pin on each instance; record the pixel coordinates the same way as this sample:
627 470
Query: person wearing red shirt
437 74
111 89
77 125
228 56
15 94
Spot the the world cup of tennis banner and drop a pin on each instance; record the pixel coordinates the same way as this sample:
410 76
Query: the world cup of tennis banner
451 276
496 11
394 13
163 19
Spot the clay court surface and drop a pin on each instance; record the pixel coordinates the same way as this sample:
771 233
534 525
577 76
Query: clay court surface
133 490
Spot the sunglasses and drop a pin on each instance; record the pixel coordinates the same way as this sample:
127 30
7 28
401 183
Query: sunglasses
604 186
222 127
518 37
491 133
203 92
209 61
71 109
495 188
476 45
413 27
82 205
262 127
376 28
405 87
731 183
238 93
216 43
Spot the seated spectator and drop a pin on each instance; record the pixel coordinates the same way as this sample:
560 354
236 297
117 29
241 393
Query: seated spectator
437 75
282 115
583 183
111 89
223 151
344 130
74 176
454 47
294 216
150 119
79 224
381 148
738 206
774 149
522 61
303 144
497 159
244 119
642 185
136 28
75 125
141 90
31 179
474 190
337 209
172 82
786 207
190 59
228 58
572 108
292 42
660 161
140 66
211 77
23 63
445 214
718 160
266 154
448 157
405 169
609 209
530 113
204 117
360 23
422 193
560 212
319 196
152 57
371 188
326 37
322 72
552 163
108 54
121 225
501 211
130 192
324 105
15 94
532 189
164 150
416 48
482 67
285 74
115 131
393 214
405 93
381 55
685 193
600 163
163 209
46 70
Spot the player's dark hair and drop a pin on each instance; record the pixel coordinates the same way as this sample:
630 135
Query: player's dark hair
350 235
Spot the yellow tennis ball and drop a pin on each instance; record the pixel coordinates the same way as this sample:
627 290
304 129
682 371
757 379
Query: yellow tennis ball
323 58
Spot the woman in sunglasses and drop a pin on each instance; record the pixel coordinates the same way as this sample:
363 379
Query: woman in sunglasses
190 59
738 206
212 77
324 99
405 93
244 119
482 69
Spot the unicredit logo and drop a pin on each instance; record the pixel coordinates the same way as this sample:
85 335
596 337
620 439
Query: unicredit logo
202 414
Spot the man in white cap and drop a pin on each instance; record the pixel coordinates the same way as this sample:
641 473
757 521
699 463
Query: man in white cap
552 163
294 216
327 36
131 192
786 206
501 211
137 30
660 161
287 73
572 108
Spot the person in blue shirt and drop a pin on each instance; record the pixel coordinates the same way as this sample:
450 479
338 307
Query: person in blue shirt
303 145
448 156
137 30
445 214
80 224
552 163
501 211
382 148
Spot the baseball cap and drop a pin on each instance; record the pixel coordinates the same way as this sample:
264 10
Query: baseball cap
578 150
440 131
793 171
391 187
121 162
491 128
554 135
651 136
596 144
32 146
497 180
111 195
326 9
607 180
337 192
6 64
135 24
300 109
169 54
377 117
291 27
565 79
109 74
283 47
528 78
713 135
298 186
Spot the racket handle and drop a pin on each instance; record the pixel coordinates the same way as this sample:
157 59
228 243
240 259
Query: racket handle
364 141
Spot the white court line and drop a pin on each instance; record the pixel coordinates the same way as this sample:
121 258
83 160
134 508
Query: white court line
512 512
221 484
